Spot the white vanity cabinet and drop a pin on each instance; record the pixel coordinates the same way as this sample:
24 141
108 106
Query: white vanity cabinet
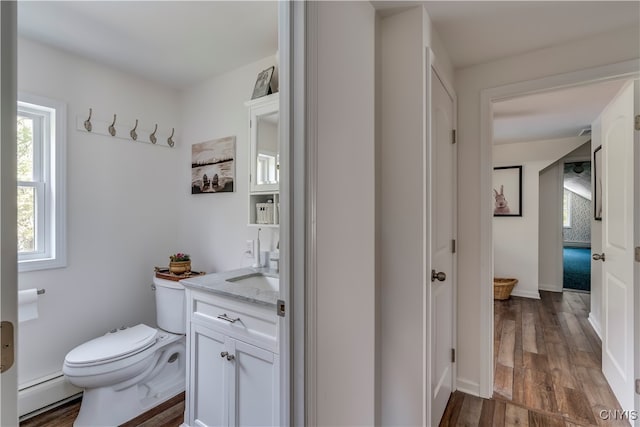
264 160
233 363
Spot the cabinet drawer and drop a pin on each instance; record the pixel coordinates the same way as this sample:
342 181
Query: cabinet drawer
235 318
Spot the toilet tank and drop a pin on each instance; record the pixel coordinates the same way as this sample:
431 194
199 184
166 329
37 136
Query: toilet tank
170 306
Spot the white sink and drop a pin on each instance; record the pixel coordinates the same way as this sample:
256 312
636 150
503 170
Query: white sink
258 281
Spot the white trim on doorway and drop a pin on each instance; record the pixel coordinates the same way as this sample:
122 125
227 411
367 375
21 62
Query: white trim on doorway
627 69
8 192
294 202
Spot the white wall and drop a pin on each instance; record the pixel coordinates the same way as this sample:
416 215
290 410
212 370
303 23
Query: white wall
515 239
401 256
213 227
121 220
345 303
595 51
550 229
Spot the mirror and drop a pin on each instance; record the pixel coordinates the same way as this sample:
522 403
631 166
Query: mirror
267 161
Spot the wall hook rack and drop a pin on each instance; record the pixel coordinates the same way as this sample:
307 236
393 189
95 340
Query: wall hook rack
129 130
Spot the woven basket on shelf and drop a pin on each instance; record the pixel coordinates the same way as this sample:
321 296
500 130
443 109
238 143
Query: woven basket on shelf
264 213
502 287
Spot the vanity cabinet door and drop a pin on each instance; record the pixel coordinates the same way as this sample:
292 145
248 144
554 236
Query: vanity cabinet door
255 386
208 377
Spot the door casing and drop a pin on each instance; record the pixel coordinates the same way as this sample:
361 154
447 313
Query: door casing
623 70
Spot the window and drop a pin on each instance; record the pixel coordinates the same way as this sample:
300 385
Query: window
41 187
267 169
566 209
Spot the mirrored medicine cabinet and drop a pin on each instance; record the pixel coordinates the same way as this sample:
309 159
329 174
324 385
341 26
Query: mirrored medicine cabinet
264 161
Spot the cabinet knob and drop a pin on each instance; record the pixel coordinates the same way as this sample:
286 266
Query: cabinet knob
226 354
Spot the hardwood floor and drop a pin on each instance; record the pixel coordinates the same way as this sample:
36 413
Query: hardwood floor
547 368
167 414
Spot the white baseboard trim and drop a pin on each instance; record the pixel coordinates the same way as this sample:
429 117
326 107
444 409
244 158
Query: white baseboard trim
576 244
526 294
595 324
44 393
469 387
550 288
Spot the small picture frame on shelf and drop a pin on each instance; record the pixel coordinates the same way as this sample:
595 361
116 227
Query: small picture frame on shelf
263 83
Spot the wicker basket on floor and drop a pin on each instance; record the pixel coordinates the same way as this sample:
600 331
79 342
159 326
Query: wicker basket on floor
502 287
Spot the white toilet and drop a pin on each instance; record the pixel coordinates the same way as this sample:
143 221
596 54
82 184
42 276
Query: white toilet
130 370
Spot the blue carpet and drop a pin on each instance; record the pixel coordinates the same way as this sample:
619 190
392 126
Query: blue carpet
577 268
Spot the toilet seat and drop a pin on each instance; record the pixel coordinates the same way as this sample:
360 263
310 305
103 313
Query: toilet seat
113 346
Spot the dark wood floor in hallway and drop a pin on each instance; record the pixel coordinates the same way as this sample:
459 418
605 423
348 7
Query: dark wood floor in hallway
547 368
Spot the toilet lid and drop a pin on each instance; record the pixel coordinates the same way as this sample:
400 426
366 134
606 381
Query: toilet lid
113 345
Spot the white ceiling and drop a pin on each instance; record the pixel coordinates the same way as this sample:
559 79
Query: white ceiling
551 115
179 43
176 43
475 32
578 182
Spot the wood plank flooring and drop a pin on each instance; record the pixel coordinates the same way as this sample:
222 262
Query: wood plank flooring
167 414
547 368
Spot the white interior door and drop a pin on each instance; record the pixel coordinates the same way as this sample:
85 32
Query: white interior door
617 245
8 228
443 195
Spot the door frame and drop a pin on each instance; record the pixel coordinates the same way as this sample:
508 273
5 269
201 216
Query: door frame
297 234
432 64
562 163
627 69
8 189
637 244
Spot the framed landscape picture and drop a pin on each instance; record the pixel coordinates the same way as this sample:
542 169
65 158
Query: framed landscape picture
213 166
507 191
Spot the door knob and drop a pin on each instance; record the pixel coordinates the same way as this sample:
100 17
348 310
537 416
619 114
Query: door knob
598 257
438 276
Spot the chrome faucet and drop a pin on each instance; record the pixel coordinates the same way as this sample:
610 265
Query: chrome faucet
257 264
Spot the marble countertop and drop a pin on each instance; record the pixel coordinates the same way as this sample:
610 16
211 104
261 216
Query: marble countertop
217 283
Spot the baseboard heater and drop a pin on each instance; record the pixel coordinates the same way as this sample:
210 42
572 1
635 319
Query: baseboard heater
43 394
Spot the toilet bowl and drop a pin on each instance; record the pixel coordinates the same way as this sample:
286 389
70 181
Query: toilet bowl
130 370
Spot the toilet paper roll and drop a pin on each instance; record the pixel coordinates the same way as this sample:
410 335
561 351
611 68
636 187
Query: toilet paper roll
27 305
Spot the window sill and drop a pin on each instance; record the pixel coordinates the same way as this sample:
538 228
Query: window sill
41 264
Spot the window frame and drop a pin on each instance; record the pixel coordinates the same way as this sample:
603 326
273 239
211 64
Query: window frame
567 198
49 181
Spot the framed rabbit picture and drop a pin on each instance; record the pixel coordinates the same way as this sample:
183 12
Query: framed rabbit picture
507 191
